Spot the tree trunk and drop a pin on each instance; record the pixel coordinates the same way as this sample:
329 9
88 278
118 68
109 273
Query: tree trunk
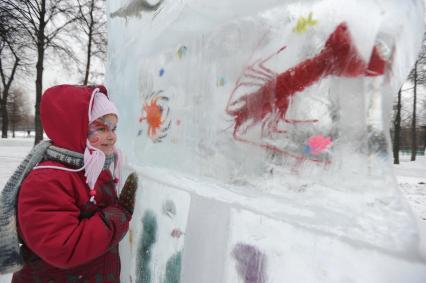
86 75
14 116
5 95
39 76
5 121
39 89
397 130
413 121
89 44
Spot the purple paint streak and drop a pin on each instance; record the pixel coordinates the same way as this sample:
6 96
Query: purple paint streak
250 263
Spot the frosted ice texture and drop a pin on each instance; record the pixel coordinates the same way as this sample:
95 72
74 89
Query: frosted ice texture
278 107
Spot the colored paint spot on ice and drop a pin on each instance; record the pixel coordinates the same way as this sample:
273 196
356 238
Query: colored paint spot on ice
156 115
149 235
178 122
173 268
181 52
153 116
220 82
250 263
135 8
169 208
161 72
176 233
306 149
130 233
303 24
317 144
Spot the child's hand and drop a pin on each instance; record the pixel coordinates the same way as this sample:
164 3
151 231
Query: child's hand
128 193
88 210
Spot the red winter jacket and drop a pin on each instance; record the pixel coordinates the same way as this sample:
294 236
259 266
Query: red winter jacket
65 237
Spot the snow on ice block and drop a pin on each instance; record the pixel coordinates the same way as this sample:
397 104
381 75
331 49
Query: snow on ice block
260 132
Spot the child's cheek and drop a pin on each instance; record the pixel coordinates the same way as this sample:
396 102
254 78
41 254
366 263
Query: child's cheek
94 140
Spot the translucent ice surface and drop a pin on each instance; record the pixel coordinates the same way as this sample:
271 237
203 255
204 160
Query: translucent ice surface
260 130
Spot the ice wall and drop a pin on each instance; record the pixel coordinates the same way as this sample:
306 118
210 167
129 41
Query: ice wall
260 131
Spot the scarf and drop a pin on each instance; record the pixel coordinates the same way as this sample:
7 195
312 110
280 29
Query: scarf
10 257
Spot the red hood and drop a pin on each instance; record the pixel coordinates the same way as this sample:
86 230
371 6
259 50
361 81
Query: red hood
64 115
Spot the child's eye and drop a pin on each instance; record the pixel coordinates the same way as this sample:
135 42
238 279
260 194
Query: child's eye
102 130
114 129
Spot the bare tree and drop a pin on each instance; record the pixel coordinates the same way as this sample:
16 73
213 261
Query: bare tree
12 58
417 77
18 108
413 120
93 24
6 84
397 130
44 22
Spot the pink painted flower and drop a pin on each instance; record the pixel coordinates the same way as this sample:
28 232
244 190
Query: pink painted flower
318 144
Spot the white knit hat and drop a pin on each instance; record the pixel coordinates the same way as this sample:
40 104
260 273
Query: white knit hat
101 106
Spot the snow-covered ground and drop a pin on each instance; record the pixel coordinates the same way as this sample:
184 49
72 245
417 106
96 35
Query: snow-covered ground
411 176
412 181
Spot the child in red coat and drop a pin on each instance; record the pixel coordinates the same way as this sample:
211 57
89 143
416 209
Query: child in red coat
69 217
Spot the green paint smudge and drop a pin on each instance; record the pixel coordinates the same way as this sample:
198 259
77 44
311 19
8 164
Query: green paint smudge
220 82
181 51
149 235
173 267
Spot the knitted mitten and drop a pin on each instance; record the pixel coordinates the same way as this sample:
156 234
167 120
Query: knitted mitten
88 210
128 193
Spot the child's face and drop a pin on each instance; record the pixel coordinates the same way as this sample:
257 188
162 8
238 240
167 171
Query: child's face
102 133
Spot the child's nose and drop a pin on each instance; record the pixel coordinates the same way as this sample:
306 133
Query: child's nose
110 135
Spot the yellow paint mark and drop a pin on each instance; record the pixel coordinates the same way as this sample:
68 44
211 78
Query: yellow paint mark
181 51
303 24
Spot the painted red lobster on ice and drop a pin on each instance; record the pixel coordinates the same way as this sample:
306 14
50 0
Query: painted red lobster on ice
272 94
